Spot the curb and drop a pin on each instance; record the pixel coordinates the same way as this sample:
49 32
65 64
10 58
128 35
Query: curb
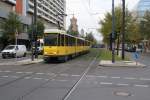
23 62
129 64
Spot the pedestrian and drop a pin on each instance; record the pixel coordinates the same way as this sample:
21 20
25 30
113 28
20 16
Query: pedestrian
136 55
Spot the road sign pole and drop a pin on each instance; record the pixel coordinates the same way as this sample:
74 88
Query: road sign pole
113 32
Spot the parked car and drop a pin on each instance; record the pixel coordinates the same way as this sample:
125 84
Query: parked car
14 51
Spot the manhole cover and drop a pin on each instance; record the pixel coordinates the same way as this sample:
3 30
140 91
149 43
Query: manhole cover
121 93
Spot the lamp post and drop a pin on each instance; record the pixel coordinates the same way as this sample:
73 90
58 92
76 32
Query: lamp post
113 32
123 29
35 28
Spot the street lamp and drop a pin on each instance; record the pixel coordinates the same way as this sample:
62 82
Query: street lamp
35 28
113 32
123 29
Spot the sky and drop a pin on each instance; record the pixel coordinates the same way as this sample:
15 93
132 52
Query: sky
90 12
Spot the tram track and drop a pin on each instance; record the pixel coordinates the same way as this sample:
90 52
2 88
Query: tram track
22 97
22 77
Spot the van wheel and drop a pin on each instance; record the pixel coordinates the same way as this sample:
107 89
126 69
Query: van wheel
24 55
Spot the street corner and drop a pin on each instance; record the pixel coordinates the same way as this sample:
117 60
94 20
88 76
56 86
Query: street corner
129 64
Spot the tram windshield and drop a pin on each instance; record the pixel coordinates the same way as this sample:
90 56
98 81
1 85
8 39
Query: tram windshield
50 39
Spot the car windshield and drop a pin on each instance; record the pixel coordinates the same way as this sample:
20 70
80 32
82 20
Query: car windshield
9 47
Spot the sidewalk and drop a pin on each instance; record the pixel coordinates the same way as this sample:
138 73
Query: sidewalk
23 62
108 63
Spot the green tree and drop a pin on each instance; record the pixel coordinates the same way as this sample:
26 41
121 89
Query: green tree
40 29
133 34
10 26
90 37
132 29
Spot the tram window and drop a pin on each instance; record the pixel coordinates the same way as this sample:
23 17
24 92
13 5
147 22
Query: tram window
66 40
59 40
50 40
62 39
73 41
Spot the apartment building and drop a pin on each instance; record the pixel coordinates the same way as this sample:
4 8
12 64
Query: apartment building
48 11
142 7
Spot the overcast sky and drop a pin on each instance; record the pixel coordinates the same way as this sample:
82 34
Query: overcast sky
89 12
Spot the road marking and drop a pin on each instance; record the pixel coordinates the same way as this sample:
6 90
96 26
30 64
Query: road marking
141 85
122 84
37 78
145 79
105 83
4 76
40 73
50 73
115 77
75 75
19 72
27 77
130 78
28 72
62 80
64 75
102 76
7 71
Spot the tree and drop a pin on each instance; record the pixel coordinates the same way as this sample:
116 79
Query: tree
40 29
90 37
10 26
131 26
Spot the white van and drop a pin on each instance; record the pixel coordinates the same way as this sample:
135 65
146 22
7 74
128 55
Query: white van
14 51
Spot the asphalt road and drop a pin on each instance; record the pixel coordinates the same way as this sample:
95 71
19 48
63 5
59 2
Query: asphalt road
64 81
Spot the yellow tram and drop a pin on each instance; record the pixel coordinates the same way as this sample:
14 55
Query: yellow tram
58 44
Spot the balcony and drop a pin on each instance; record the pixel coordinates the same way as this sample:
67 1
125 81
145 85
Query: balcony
13 2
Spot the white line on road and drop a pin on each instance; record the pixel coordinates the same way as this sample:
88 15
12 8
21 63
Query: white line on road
130 78
7 71
37 78
105 83
4 76
39 73
115 77
19 72
141 85
27 77
64 75
102 76
28 72
122 84
75 75
62 80
145 79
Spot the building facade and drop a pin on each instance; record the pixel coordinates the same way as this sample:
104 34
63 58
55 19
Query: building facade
143 5
48 11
